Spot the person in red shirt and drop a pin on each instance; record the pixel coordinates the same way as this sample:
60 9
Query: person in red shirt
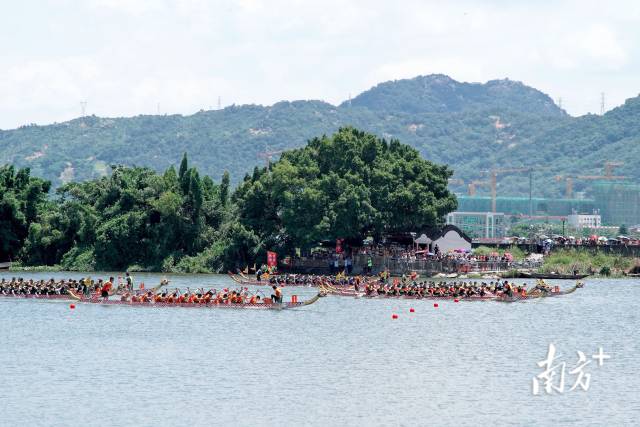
106 288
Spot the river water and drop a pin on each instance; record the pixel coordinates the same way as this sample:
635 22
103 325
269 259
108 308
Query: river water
341 361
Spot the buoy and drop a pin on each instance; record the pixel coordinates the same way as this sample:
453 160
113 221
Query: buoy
456 300
394 316
411 310
72 306
435 304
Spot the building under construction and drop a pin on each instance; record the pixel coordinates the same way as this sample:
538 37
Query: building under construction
618 202
520 205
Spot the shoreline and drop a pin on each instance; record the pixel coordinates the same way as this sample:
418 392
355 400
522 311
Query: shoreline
467 276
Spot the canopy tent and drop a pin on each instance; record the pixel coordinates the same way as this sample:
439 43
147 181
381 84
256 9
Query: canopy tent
423 240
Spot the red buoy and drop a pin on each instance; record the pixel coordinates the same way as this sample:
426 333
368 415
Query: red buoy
435 304
456 300
72 306
411 310
394 316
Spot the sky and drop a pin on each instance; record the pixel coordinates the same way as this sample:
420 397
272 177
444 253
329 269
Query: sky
130 57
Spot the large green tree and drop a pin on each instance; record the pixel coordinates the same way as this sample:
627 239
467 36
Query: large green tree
349 185
133 216
22 199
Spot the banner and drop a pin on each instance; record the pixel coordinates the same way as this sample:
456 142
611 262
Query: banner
272 261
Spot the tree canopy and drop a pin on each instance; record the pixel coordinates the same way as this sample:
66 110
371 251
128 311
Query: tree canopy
21 198
349 185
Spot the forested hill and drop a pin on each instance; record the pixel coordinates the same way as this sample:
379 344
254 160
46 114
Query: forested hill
438 93
471 127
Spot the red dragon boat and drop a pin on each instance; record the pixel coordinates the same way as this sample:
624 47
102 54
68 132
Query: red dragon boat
267 305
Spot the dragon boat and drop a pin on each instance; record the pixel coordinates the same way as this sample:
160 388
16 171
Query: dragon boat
538 293
266 305
242 279
36 296
70 294
533 293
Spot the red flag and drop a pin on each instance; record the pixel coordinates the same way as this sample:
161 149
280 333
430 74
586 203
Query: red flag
272 259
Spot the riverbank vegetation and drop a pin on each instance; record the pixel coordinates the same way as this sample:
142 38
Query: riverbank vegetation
567 261
350 185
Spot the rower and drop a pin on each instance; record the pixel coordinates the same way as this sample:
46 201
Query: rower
104 291
129 281
508 289
277 294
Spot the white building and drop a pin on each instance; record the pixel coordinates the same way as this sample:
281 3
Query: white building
577 220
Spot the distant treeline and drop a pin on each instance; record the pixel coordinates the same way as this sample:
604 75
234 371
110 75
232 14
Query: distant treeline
350 185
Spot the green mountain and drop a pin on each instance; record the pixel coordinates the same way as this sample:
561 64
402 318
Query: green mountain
438 93
472 127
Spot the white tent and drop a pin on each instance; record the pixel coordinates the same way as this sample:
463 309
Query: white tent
423 240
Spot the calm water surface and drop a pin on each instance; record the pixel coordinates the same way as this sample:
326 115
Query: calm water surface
339 362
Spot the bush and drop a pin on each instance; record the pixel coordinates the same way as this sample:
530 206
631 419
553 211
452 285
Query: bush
79 259
208 261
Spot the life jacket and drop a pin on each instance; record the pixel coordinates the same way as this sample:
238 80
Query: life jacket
106 287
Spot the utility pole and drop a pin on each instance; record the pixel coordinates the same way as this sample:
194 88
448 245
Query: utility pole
530 192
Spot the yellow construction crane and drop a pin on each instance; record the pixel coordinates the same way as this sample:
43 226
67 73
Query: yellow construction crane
494 183
608 176
609 166
471 188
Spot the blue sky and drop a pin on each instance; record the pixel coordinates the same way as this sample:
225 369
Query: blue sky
126 57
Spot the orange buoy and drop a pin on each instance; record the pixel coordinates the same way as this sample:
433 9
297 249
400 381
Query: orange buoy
435 304
72 306
411 310
394 316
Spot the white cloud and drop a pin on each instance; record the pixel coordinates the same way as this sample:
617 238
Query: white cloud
125 56
132 7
